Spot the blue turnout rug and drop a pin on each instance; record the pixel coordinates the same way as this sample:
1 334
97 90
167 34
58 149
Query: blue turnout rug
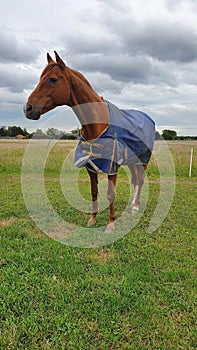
128 138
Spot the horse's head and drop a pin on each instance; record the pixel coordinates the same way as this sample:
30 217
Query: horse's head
52 90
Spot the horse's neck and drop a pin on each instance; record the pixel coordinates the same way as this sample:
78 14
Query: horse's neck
88 106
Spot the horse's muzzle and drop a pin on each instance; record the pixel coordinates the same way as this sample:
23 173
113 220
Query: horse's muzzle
31 112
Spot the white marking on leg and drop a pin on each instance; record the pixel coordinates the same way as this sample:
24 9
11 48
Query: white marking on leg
135 195
134 209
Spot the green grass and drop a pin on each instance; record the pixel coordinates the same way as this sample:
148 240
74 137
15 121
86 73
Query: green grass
138 293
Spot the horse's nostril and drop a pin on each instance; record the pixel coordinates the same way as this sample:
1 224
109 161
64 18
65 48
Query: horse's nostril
28 108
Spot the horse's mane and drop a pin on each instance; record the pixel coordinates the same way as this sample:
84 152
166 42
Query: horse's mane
81 76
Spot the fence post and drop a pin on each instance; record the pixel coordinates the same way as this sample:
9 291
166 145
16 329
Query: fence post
191 159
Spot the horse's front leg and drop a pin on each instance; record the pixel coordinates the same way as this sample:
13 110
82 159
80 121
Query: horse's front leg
111 192
94 193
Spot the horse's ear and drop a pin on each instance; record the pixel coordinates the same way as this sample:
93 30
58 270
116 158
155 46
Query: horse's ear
49 59
59 60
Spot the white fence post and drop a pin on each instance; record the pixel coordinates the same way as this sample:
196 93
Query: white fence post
191 159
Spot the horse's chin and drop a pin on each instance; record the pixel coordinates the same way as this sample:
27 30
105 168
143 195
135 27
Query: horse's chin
33 117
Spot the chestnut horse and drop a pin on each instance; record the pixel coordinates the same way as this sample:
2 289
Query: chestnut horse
60 85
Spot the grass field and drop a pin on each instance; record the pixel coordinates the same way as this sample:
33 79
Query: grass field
139 292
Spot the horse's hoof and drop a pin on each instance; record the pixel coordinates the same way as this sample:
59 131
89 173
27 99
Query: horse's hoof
134 209
110 228
91 223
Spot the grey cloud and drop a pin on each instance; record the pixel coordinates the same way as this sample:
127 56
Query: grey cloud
15 50
127 55
154 53
15 79
166 42
90 43
125 68
173 5
120 67
103 83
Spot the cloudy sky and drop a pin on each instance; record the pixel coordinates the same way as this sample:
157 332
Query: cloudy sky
137 54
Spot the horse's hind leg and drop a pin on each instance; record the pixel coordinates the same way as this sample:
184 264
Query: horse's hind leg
94 193
138 174
111 192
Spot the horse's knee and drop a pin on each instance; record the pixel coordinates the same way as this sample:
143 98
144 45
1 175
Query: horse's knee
111 193
140 172
141 181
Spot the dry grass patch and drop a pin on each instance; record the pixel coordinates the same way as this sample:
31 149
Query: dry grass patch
7 222
102 256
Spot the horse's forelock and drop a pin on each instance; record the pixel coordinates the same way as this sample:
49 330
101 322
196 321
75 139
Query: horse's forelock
49 67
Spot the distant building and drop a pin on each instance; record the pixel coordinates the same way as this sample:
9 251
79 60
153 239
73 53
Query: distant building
20 137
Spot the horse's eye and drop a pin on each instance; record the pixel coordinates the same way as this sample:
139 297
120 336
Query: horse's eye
53 80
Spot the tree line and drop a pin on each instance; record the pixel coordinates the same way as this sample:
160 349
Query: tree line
172 135
52 133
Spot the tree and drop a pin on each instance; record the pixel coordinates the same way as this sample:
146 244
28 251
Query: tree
54 133
157 135
27 134
14 130
69 137
3 131
169 134
76 132
39 134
